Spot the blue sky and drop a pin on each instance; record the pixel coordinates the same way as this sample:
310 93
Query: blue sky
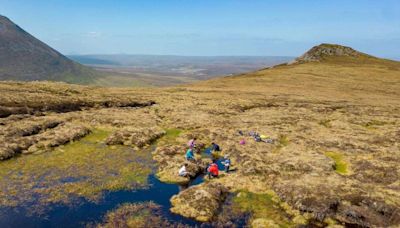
209 27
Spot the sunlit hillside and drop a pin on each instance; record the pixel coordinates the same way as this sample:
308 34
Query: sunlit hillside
331 155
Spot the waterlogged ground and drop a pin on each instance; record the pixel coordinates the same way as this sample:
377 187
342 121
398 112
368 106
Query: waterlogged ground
82 169
93 214
89 184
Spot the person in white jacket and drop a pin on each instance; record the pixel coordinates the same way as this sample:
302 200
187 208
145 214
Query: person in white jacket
182 171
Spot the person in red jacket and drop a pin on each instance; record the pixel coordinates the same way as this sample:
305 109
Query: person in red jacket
212 170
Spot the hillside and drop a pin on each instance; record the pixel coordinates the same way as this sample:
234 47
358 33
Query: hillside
330 158
25 58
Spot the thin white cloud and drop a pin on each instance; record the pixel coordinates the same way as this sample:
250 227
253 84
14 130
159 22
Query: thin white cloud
92 34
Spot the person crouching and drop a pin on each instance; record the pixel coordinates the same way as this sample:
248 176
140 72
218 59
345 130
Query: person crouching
227 163
190 155
212 170
183 172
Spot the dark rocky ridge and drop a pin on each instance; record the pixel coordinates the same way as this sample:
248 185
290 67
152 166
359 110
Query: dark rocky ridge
25 58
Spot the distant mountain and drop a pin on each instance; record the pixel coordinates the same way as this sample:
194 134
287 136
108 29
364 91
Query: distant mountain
23 57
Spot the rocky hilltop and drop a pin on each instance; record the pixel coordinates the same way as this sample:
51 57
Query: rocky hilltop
324 51
25 58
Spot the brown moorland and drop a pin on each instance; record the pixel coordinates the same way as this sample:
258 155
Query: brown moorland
333 118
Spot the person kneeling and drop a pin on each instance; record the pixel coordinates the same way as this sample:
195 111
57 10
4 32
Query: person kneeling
189 155
212 171
183 172
227 163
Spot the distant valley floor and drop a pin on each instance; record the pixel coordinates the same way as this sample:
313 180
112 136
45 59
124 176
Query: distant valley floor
156 71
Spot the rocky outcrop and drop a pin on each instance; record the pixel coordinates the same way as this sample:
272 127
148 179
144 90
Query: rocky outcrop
199 202
138 137
318 53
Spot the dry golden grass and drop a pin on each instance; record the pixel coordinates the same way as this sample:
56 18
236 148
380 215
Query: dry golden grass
344 105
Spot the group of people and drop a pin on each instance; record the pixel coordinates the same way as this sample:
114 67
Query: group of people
212 169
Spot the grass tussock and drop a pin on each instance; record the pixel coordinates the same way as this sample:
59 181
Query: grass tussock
341 166
141 215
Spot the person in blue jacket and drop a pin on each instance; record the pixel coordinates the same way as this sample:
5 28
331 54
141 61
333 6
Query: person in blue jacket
227 163
215 147
190 155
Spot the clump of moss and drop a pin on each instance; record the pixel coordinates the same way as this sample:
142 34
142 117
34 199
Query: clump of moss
262 207
341 165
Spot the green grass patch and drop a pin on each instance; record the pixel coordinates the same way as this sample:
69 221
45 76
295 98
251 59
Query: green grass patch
341 166
170 135
261 206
